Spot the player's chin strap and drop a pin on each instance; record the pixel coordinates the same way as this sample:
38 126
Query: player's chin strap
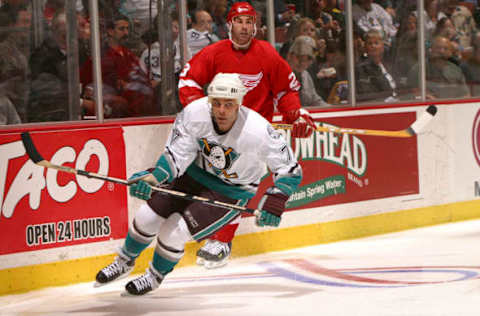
235 44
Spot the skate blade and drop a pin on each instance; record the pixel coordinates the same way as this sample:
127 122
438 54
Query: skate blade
200 261
127 294
98 284
215 264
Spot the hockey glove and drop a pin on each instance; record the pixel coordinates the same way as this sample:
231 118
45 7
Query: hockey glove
272 206
142 188
302 121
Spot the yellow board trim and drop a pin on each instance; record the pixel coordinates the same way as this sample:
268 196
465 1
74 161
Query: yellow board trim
27 278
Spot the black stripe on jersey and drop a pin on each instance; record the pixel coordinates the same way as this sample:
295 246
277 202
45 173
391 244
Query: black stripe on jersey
173 159
293 168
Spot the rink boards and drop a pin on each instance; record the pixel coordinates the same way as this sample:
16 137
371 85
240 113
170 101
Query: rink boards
59 229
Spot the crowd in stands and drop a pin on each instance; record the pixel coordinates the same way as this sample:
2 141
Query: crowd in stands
310 35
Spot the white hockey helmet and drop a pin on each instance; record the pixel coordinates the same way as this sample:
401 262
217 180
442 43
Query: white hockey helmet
227 86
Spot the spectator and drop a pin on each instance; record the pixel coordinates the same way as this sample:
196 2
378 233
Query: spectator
332 8
200 35
463 22
328 28
218 11
8 9
8 114
446 29
471 69
368 16
405 54
121 70
48 64
151 65
300 56
373 80
83 39
332 70
432 16
140 14
303 26
15 51
284 13
444 78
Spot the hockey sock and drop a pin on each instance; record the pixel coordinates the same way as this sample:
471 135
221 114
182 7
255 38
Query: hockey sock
171 241
134 245
165 258
143 230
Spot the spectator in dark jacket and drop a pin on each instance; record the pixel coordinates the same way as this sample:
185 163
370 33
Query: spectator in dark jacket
373 80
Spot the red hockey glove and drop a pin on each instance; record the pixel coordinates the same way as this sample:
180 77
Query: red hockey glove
303 125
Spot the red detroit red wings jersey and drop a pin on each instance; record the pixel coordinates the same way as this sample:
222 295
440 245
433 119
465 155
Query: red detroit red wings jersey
267 76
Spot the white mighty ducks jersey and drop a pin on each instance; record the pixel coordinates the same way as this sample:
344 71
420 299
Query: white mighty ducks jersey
237 158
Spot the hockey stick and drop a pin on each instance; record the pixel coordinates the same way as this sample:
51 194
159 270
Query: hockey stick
412 130
35 156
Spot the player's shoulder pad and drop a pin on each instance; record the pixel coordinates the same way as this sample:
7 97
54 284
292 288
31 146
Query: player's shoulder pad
264 46
197 111
259 127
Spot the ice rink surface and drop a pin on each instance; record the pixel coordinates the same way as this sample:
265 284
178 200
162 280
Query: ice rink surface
430 271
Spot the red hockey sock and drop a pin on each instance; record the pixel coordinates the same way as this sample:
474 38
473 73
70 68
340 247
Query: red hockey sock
225 234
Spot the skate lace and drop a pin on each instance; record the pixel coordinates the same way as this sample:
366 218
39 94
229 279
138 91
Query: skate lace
217 247
112 269
143 282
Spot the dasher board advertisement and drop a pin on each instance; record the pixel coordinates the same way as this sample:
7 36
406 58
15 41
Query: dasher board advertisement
45 208
342 168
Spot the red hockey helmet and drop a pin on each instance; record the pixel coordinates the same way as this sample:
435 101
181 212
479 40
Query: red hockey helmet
241 8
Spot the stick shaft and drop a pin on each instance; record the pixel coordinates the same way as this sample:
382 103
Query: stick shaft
414 129
355 131
35 156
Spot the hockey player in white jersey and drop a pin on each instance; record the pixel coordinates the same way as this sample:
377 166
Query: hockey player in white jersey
217 149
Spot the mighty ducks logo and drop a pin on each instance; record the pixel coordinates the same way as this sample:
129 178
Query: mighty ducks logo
219 158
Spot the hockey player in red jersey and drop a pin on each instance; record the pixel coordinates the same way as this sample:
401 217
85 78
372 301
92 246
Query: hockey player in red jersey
271 86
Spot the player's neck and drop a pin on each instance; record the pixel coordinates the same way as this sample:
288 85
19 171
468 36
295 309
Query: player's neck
240 47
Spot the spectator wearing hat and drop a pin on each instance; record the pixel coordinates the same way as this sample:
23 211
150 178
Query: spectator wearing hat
300 56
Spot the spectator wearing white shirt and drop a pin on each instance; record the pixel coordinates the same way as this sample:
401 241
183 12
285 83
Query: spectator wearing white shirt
371 16
200 35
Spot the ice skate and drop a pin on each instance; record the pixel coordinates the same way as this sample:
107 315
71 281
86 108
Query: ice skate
118 269
214 254
144 284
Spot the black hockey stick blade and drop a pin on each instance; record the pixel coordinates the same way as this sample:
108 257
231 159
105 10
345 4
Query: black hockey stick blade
32 152
35 156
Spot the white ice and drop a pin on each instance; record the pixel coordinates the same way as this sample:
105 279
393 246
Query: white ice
430 271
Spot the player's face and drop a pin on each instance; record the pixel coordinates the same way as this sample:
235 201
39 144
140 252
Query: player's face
243 27
224 112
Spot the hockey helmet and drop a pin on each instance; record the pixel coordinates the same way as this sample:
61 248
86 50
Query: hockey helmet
227 86
241 8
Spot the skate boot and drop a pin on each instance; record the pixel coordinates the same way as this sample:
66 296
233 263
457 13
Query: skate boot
143 284
118 269
214 254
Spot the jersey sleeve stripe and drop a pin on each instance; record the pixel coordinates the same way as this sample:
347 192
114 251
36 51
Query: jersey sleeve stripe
188 83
